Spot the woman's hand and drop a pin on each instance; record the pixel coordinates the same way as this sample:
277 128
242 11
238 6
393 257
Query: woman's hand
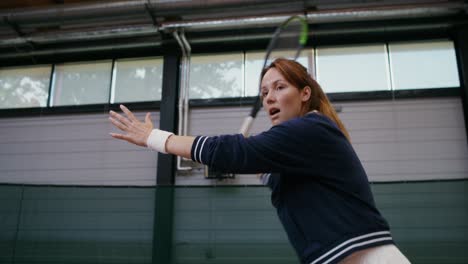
136 131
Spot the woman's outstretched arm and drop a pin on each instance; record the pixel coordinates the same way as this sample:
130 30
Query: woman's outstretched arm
143 134
179 145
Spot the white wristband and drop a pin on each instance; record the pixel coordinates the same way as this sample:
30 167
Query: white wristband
157 140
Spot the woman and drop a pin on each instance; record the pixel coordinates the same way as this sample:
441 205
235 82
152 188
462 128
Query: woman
319 187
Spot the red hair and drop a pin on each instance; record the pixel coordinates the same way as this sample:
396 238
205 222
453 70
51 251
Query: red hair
297 75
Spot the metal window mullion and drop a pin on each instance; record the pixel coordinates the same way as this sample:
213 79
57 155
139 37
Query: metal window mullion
111 97
51 83
166 167
388 62
461 52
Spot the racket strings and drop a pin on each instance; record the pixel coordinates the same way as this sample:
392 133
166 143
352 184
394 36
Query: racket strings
286 42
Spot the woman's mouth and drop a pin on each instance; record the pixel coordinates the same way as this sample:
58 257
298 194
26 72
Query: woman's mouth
274 112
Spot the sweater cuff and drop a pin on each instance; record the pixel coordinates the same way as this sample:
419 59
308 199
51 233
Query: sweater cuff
197 149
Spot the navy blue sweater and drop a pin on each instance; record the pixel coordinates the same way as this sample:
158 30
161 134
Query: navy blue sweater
319 187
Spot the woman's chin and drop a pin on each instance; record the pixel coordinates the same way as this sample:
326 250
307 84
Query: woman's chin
275 122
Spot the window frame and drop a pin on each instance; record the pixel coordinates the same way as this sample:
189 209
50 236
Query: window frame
345 39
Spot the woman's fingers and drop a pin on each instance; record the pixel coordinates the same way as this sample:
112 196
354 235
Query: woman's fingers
148 119
120 136
118 124
115 135
129 113
120 118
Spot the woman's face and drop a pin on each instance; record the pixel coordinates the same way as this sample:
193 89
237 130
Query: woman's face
281 100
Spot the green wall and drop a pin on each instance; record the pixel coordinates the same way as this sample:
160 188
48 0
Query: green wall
76 225
38 224
429 220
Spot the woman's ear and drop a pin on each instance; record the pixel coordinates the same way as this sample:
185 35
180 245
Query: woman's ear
305 94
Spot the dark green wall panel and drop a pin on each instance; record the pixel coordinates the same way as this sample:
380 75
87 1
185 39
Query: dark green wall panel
218 225
429 220
10 198
81 225
228 225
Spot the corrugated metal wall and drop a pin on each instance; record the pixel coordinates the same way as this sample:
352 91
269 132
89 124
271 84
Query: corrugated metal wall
71 150
418 139
413 139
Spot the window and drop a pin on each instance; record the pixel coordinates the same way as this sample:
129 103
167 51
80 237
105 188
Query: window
423 65
356 68
137 80
377 67
215 76
81 83
24 87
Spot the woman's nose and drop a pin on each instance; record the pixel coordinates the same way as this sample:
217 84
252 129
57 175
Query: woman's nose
270 98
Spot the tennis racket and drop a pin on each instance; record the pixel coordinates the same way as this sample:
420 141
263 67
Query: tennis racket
287 41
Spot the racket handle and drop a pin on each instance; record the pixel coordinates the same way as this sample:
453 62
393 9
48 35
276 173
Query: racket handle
246 126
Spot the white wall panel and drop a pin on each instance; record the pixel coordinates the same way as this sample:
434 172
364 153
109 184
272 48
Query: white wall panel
401 140
72 150
227 120
417 139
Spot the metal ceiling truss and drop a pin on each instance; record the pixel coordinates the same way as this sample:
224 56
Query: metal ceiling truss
131 25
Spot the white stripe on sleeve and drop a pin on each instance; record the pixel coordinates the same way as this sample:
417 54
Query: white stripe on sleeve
196 147
201 150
